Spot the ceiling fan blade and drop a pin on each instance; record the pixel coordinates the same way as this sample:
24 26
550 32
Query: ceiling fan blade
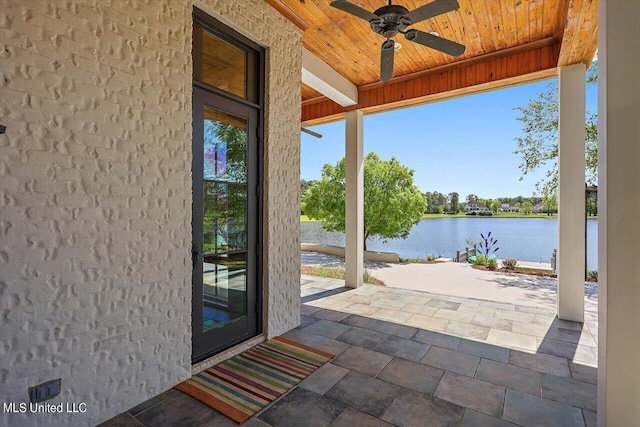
386 60
355 10
443 45
429 10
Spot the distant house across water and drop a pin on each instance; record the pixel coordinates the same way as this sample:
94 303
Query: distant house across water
476 207
509 207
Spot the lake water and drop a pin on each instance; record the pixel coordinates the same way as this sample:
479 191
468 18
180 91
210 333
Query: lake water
525 239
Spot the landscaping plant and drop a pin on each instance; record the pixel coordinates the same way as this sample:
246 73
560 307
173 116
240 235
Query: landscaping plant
433 257
509 263
486 247
492 263
481 260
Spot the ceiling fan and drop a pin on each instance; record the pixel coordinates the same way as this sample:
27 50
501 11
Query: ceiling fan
392 19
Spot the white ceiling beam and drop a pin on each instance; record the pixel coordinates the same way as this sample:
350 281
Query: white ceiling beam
321 77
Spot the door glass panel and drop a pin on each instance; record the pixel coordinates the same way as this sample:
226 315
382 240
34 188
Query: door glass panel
223 65
225 147
225 218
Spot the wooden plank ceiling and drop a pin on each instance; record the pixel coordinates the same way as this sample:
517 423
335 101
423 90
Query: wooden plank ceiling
309 93
508 41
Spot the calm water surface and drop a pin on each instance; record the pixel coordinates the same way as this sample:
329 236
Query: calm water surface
525 239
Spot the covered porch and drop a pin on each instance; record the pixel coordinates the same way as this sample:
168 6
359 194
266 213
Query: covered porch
96 254
509 49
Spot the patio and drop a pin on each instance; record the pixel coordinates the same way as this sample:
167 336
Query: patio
405 357
462 280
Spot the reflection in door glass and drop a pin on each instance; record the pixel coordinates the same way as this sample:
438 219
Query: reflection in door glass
224 289
225 147
225 219
225 208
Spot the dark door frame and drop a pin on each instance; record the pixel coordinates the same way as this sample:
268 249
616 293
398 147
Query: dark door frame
251 109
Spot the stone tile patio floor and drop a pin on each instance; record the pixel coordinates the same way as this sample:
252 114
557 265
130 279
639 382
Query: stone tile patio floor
410 358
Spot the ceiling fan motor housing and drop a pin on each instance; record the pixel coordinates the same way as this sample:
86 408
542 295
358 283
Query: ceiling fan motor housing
391 20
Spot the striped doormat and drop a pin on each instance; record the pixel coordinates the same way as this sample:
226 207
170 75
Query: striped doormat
241 386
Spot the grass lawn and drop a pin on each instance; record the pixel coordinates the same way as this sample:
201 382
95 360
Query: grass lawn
499 215
335 273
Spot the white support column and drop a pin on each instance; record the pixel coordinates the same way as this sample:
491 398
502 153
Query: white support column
571 195
354 203
618 213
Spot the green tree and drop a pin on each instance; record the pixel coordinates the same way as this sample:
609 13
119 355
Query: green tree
592 204
305 185
495 206
436 202
549 203
526 207
538 148
432 202
454 204
392 203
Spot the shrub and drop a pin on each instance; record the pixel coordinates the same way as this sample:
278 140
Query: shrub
492 263
482 260
593 274
509 263
433 257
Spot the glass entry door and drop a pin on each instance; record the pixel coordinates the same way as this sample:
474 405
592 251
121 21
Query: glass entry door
225 223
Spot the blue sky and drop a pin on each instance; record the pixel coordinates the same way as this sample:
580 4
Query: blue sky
464 144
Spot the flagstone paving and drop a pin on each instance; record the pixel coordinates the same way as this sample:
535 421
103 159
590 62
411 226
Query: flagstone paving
410 358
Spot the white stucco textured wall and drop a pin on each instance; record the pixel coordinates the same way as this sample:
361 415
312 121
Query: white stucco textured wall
95 196
95 202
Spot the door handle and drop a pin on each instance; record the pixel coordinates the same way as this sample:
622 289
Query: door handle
194 255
